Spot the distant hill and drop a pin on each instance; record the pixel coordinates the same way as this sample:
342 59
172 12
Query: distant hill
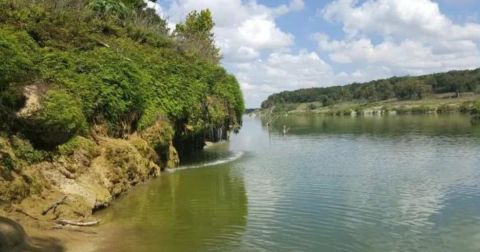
401 88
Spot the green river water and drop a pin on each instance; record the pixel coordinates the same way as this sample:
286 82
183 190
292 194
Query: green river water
398 183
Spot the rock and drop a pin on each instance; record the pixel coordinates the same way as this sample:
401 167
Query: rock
12 235
173 160
33 95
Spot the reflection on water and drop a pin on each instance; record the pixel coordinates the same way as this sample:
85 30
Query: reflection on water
201 209
406 183
430 125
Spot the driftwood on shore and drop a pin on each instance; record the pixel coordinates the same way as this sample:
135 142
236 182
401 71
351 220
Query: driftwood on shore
18 210
72 229
54 205
78 223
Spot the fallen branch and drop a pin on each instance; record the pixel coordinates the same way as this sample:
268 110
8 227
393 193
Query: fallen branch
18 210
72 229
78 223
54 205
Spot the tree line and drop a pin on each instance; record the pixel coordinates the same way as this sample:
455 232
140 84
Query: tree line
401 88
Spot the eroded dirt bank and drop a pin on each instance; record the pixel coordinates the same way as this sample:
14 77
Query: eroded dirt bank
69 188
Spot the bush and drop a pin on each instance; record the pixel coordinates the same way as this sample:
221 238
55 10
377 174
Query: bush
78 143
423 109
150 116
159 135
17 52
466 107
402 110
446 108
25 151
311 106
475 109
476 113
59 119
7 160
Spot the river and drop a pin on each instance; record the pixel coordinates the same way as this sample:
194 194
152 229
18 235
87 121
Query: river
397 183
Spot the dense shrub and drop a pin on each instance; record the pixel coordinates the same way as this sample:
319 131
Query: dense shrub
159 135
18 54
476 113
76 144
115 65
25 151
59 119
446 108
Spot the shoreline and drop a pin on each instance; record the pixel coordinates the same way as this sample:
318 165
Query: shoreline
74 187
433 105
43 233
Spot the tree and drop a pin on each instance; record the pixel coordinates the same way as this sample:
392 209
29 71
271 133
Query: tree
384 90
410 89
196 36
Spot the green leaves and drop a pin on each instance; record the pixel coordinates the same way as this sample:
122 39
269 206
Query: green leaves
104 7
17 52
61 111
403 88
113 63
196 37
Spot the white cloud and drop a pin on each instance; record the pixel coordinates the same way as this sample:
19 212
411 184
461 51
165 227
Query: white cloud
241 27
416 38
282 71
261 32
399 19
408 56
381 38
246 32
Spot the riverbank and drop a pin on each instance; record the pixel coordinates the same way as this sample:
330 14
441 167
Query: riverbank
314 189
82 177
444 103
98 97
74 185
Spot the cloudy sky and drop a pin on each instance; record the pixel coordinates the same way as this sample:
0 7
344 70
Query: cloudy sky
275 45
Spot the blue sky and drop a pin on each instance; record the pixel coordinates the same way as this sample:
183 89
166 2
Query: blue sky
289 44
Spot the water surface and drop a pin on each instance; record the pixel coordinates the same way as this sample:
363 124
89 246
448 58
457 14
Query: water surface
404 183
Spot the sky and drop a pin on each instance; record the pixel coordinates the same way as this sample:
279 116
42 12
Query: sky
272 46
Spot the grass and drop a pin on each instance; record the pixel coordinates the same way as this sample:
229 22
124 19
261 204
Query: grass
442 103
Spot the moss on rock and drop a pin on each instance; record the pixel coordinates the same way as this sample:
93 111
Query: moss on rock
57 120
17 181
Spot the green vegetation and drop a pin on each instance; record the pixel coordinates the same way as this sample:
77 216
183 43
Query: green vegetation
438 104
475 111
60 119
196 35
111 63
100 93
78 143
396 88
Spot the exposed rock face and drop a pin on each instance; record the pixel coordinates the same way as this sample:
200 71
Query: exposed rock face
93 183
16 181
33 94
173 160
90 174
